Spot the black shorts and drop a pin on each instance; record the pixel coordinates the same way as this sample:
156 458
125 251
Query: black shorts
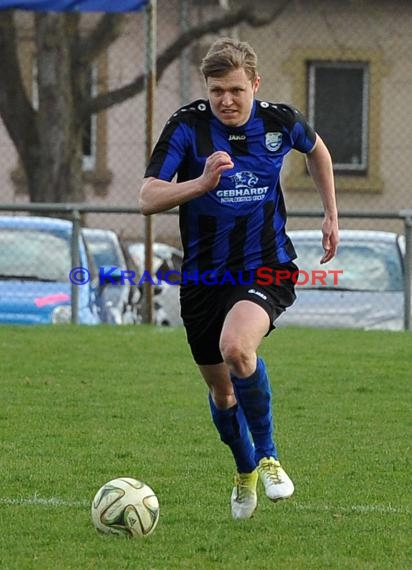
204 308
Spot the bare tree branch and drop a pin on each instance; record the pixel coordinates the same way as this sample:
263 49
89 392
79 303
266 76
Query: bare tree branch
107 30
245 14
15 108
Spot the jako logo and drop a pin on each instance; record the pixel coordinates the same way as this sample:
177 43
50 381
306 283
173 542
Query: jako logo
258 293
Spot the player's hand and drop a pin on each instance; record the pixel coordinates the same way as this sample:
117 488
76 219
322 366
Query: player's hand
216 163
330 239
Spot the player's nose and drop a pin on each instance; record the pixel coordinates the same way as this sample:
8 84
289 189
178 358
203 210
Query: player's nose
227 99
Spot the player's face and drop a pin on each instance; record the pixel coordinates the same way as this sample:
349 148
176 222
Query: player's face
231 97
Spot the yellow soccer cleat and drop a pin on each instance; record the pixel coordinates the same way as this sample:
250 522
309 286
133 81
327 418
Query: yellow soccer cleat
244 497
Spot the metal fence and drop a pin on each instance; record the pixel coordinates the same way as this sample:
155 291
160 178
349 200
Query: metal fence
77 212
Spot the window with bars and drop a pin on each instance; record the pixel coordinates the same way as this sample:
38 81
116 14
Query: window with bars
338 108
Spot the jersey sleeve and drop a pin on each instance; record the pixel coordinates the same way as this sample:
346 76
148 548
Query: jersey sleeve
303 136
169 151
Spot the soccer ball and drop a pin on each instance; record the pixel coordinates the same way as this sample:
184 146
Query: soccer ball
125 507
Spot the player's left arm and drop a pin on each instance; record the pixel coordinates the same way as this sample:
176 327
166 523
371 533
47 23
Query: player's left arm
319 164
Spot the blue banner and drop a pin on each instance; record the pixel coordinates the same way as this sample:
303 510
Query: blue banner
74 5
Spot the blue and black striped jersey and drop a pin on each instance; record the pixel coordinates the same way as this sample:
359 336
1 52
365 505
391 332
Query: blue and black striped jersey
240 225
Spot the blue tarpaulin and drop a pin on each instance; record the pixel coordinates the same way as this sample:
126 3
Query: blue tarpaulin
74 5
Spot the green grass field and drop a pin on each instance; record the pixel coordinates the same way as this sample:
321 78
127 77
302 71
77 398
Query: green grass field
80 406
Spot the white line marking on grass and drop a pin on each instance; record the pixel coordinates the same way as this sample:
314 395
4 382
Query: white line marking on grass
360 509
44 502
36 500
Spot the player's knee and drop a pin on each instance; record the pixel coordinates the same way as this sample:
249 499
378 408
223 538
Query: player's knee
236 357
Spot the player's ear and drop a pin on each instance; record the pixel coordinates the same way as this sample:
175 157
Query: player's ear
256 84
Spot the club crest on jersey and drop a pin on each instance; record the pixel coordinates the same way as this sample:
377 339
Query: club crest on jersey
273 141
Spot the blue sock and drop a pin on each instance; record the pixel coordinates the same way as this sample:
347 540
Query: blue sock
254 396
232 427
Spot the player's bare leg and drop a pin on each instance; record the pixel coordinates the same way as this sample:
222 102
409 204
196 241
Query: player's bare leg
244 327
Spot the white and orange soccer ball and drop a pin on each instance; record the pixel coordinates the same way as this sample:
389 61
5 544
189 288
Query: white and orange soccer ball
126 507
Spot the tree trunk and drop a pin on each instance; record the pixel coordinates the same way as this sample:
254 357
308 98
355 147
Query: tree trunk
56 172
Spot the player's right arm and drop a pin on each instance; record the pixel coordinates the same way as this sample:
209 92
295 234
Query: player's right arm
158 195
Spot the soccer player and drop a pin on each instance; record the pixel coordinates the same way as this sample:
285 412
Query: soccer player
227 152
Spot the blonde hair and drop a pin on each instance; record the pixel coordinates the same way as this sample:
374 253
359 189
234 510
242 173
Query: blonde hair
227 54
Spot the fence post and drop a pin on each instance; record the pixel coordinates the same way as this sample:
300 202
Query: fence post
75 214
408 271
150 45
